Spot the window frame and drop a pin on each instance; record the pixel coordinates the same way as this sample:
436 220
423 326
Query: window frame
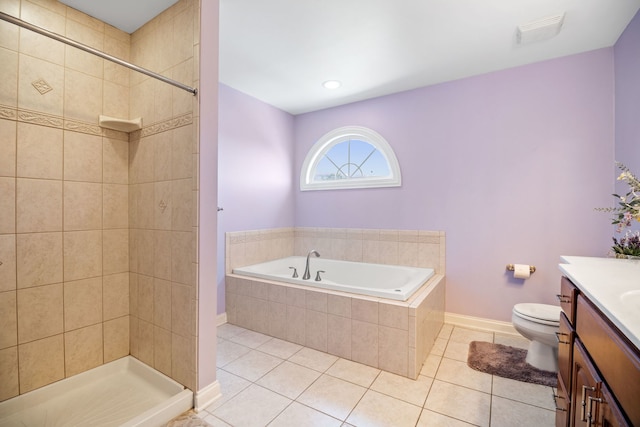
338 136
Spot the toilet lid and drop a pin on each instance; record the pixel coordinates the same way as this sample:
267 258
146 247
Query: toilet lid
540 313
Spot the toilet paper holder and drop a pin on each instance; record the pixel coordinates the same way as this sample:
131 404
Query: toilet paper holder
512 267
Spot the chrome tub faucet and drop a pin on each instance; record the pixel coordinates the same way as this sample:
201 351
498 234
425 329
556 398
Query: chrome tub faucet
307 275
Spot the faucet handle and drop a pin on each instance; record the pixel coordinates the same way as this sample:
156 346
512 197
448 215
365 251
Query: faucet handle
295 272
318 278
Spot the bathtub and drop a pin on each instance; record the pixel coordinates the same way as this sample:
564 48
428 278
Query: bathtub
125 392
391 326
377 280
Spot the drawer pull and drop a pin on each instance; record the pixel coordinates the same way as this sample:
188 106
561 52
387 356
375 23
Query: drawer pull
563 298
555 401
583 402
590 413
560 340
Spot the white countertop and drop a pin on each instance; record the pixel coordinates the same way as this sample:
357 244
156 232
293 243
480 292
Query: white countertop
613 285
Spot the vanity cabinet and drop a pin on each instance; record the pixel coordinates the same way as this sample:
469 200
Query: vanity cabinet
598 367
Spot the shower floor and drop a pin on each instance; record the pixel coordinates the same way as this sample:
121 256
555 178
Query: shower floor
124 392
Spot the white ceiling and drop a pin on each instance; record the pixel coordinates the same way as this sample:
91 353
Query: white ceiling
281 51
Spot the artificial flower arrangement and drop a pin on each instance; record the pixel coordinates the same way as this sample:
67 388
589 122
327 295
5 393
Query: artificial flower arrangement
627 211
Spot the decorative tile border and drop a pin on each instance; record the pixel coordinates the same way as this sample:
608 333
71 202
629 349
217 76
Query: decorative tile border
43 119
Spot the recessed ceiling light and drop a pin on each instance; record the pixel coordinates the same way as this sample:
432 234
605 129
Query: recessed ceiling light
332 84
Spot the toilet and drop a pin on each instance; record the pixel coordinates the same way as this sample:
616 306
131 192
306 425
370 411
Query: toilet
539 323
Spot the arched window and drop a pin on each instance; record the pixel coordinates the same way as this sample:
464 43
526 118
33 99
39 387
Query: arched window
350 157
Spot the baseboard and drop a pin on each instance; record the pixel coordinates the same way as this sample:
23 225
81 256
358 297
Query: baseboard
480 323
206 396
221 319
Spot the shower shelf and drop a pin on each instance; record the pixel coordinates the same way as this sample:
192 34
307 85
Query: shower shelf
121 125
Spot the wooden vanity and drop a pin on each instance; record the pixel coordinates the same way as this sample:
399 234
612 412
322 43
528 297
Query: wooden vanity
598 355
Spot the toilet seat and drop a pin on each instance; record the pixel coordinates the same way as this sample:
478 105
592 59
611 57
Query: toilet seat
544 314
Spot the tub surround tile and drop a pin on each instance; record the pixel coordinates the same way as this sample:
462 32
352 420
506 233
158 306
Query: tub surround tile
83 349
393 350
296 324
339 336
41 362
40 312
9 383
364 310
82 303
316 330
8 319
364 338
277 320
116 338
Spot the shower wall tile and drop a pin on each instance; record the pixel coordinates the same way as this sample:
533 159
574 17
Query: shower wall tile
145 342
82 303
181 205
38 259
82 96
145 298
9 385
115 291
116 100
162 303
116 338
181 153
36 45
7 210
115 161
38 205
162 153
181 308
163 205
145 252
181 257
9 71
41 362
162 99
9 32
8 322
8 134
162 350
79 60
82 157
40 312
183 359
115 206
39 152
33 70
82 254
115 251
82 206
162 254
8 267
83 349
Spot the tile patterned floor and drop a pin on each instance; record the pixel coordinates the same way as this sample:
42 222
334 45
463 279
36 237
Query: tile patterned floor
269 382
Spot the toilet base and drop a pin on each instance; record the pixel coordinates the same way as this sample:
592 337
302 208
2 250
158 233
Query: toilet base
542 356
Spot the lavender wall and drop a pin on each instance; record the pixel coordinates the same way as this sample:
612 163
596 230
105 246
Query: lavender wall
627 72
255 169
509 164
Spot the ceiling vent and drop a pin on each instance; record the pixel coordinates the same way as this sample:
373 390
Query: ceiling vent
539 30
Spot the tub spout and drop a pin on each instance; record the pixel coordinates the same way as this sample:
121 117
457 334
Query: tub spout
307 275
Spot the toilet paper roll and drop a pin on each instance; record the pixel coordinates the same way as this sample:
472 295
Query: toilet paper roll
521 271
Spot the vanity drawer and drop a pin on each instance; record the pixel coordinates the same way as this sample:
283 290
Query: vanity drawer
617 359
567 299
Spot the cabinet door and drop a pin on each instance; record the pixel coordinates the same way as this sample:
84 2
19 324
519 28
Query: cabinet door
608 411
585 385
565 346
563 405
567 299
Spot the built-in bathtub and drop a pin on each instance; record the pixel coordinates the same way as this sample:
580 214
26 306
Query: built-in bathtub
393 327
378 280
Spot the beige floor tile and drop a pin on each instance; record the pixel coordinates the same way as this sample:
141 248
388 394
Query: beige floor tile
507 413
531 394
456 372
445 331
430 366
228 351
433 419
512 340
457 351
412 391
289 379
279 348
379 410
253 365
250 339
215 421
353 372
439 347
468 335
459 402
313 359
297 415
227 330
230 385
332 396
253 407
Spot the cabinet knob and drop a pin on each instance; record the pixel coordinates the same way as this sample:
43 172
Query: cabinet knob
583 402
563 298
560 340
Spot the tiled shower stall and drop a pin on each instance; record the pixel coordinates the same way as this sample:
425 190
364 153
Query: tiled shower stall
97 227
